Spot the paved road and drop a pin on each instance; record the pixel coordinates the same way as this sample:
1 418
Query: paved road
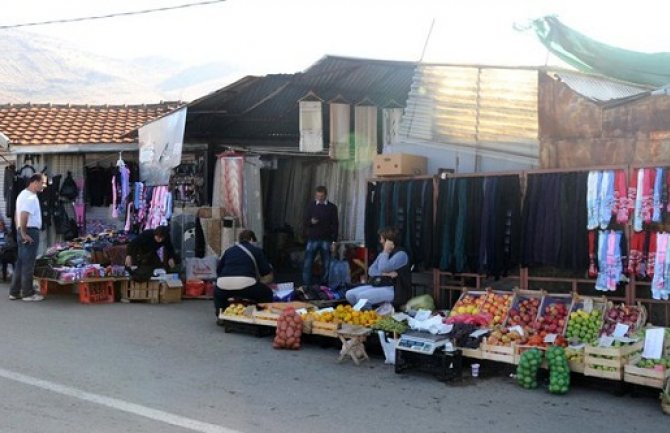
67 367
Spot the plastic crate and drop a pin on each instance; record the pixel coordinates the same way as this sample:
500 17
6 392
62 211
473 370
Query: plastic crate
445 366
96 292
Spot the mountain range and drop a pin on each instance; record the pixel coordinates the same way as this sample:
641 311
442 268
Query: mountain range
38 69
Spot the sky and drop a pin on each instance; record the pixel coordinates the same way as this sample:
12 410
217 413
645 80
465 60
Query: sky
285 36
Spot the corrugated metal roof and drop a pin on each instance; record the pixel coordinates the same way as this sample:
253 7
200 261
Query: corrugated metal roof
599 89
483 108
264 108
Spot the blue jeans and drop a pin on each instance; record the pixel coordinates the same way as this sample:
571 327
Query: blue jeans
22 280
310 253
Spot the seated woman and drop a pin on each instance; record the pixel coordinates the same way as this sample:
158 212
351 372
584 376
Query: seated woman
389 271
243 273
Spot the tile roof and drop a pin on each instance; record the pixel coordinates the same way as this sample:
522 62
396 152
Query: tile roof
44 124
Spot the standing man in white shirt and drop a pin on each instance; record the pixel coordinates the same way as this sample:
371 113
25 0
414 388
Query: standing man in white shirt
29 223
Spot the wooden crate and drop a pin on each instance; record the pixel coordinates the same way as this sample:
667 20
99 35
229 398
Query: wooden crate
620 356
324 328
238 319
522 295
641 318
576 366
521 348
471 353
599 304
148 291
476 294
506 354
554 298
644 376
265 318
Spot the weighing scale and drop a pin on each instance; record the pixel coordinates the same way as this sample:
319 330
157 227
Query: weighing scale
423 342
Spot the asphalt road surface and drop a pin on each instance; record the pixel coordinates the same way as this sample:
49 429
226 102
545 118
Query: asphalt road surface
68 367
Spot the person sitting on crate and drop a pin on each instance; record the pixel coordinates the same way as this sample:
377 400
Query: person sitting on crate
142 252
390 278
243 273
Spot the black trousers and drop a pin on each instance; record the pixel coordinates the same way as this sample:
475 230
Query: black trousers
258 293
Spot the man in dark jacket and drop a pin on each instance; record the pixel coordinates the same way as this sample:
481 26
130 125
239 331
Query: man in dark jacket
243 273
143 250
321 226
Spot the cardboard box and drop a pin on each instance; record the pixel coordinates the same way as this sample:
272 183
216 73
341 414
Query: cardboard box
399 164
170 291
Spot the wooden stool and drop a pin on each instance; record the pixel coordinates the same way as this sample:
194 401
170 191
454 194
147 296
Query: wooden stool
352 338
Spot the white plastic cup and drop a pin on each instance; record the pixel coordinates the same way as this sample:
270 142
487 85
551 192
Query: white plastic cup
475 370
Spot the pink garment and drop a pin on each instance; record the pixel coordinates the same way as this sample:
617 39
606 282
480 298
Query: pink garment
232 190
158 207
620 208
636 251
80 213
632 191
129 216
115 213
658 282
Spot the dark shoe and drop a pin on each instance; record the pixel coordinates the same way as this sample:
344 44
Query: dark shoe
14 298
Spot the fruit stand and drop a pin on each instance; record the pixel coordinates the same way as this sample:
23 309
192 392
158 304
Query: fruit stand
534 330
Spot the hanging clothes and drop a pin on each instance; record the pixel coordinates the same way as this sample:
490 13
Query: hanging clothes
573 246
606 199
463 220
371 215
450 205
610 266
620 209
8 190
656 197
638 200
593 199
649 255
424 225
635 256
660 285
542 220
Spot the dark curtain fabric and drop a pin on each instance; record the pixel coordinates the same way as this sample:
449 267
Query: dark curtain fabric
478 225
408 206
426 224
449 206
99 185
372 215
473 234
554 218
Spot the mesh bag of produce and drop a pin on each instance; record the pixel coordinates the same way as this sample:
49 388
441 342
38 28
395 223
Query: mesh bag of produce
289 330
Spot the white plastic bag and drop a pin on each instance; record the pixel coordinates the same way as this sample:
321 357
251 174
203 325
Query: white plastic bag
388 346
201 269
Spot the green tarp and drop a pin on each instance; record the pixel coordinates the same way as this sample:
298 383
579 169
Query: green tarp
588 55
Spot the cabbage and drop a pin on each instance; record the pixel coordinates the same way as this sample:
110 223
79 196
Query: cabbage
423 302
